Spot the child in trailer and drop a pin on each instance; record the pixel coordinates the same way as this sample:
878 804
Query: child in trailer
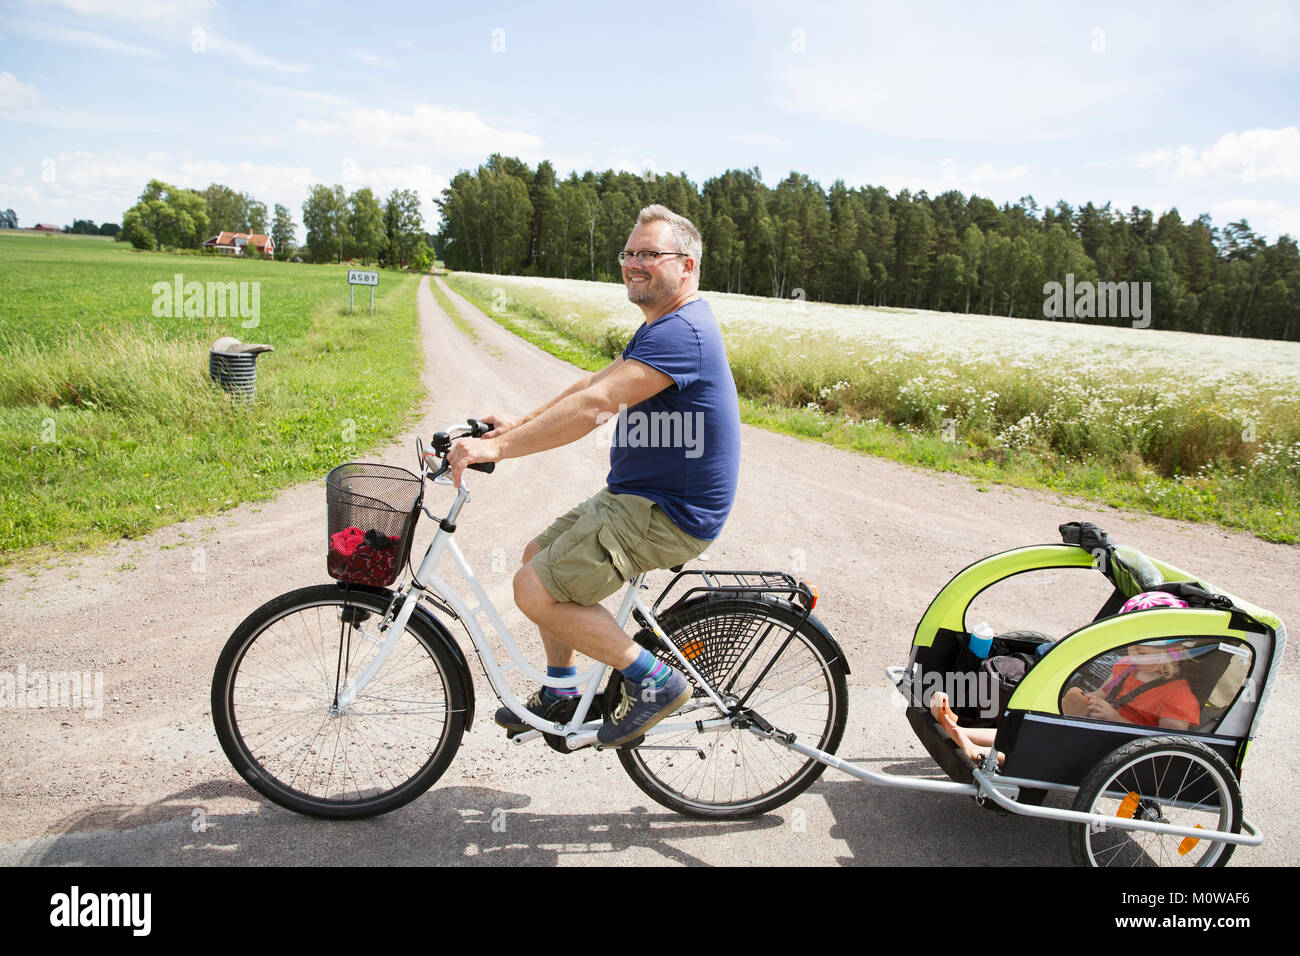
1144 688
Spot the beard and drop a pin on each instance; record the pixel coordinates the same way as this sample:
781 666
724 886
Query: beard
647 293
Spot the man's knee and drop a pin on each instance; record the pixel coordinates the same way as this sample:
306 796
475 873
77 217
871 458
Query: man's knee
530 593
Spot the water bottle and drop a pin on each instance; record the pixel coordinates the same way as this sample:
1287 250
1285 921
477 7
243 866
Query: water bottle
981 640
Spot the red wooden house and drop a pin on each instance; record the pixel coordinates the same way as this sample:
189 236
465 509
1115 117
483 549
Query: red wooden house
242 243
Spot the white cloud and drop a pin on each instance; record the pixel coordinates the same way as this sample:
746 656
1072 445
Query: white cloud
384 179
990 173
1257 155
17 95
428 129
165 12
85 39
984 174
247 54
180 24
758 139
265 181
892 69
1266 217
299 97
372 59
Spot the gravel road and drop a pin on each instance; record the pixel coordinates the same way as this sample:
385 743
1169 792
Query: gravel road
144 781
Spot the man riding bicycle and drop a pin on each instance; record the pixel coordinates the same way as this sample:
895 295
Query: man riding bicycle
674 464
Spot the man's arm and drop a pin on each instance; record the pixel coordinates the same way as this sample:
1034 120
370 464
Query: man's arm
571 415
504 423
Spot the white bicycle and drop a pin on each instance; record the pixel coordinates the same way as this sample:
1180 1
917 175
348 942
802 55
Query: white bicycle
350 699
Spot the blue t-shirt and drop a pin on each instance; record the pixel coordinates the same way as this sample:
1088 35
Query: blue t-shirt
681 447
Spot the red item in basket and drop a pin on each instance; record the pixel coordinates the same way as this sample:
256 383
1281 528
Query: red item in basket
354 558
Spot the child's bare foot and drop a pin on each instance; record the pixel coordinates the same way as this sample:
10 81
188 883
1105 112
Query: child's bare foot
974 751
943 713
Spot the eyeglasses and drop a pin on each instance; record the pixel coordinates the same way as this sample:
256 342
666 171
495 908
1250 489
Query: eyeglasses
645 258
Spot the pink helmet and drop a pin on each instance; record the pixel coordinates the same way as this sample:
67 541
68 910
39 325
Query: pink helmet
1148 599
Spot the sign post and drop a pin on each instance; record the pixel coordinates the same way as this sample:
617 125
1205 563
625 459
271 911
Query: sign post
362 277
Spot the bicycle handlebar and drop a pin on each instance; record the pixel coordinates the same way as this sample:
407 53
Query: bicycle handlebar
443 440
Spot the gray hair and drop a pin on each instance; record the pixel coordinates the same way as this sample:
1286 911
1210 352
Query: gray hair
686 238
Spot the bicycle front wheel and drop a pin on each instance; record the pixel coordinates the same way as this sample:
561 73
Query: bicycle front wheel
794 678
275 704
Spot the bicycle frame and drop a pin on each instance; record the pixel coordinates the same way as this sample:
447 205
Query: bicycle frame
577 732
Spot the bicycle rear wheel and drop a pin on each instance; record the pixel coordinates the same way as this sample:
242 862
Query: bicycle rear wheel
274 697
732 641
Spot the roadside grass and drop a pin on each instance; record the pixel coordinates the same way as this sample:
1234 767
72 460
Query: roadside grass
109 425
542 323
1118 436
445 303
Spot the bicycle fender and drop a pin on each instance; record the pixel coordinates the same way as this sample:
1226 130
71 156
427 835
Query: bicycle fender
830 639
439 630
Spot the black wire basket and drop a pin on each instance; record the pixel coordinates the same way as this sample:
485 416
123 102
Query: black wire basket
372 511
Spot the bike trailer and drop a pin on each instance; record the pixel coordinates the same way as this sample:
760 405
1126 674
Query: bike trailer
1227 651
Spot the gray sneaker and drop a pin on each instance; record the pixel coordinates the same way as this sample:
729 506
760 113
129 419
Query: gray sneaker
641 708
538 704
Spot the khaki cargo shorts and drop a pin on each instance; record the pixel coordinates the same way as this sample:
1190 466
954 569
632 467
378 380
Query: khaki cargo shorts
590 552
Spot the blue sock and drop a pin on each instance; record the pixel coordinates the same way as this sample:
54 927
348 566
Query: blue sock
561 692
647 667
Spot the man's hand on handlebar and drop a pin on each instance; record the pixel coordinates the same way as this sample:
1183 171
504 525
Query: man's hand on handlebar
471 451
501 423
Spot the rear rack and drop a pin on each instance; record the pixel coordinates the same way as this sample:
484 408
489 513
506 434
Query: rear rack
722 649
739 582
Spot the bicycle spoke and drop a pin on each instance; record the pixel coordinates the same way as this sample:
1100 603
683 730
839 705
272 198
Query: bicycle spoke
281 700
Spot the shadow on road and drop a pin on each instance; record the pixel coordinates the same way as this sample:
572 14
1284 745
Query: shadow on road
891 826
453 826
481 826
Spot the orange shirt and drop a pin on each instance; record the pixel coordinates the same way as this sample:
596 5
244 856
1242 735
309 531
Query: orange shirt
1173 700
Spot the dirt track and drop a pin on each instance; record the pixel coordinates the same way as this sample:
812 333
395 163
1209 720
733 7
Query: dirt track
146 782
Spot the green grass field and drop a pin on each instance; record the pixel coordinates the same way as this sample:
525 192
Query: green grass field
109 425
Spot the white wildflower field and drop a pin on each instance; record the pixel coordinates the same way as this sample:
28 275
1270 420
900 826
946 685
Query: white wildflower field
952 335
1187 423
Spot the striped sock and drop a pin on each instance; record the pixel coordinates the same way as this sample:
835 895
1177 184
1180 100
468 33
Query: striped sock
559 693
647 667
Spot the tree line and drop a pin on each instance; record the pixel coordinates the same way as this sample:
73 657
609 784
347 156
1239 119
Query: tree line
339 226
949 252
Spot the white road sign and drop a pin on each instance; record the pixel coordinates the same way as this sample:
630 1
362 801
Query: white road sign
361 277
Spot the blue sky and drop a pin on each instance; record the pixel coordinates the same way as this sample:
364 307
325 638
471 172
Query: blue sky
1160 105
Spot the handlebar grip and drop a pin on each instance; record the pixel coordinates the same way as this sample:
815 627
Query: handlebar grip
487 467
477 428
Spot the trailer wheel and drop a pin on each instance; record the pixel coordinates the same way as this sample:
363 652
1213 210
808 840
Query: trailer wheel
1167 779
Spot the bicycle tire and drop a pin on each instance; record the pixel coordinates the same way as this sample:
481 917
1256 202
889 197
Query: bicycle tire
274 688
1151 772
743 775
